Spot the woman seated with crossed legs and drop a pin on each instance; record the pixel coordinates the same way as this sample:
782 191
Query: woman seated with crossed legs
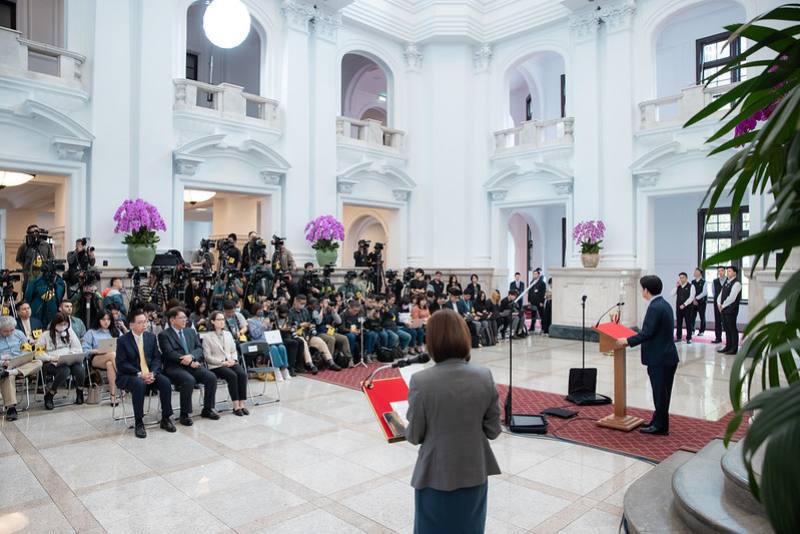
219 351
103 328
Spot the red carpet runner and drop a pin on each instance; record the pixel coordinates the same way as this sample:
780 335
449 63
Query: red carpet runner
685 433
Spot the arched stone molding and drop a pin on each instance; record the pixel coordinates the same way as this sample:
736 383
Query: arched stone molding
353 233
516 177
38 139
216 163
263 20
377 179
391 63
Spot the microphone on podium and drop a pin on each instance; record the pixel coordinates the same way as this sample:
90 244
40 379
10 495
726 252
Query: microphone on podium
616 305
419 358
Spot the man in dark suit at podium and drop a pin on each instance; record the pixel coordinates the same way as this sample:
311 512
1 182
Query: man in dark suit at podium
658 352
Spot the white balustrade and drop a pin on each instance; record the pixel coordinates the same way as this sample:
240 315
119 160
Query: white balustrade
23 57
224 100
677 109
369 132
535 134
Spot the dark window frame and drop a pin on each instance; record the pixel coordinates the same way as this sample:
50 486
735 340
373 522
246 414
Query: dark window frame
196 57
563 81
735 234
528 107
733 50
12 6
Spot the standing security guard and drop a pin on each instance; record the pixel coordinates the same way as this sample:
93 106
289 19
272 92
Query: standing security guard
700 300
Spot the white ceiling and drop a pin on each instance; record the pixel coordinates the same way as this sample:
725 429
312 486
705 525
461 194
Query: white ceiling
37 195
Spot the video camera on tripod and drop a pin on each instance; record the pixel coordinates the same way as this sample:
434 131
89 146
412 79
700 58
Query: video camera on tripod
36 236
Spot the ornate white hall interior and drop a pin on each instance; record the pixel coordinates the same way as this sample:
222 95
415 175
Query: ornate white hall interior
467 139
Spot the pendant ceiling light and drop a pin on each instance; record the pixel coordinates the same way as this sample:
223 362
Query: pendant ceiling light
14 178
226 23
193 196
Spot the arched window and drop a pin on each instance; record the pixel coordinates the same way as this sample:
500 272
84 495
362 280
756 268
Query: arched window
536 88
365 89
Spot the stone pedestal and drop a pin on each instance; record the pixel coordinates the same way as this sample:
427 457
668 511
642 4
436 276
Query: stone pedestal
603 287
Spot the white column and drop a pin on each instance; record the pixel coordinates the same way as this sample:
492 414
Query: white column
416 142
583 101
323 76
296 136
111 154
481 146
616 115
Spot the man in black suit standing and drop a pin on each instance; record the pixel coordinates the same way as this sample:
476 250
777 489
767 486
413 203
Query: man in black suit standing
139 371
658 352
517 285
728 306
536 297
719 283
183 355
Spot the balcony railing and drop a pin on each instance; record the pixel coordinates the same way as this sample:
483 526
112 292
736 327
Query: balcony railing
225 101
677 109
535 134
369 132
23 57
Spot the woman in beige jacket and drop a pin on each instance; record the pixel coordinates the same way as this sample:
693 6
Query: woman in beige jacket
219 351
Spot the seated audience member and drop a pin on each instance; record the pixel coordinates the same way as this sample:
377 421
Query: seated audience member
257 327
30 326
113 295
154 325
352 328
419 316
418 286
473 288
103 328
458 305
295 348
11 343
300 319
328 320
199 316
75 323
437 283
139 372
511 312
118 318
452 282
438 303
483 313
473 323
182 354
219 351
59 340
390 323
234 321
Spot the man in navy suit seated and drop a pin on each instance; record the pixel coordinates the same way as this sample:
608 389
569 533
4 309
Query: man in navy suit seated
658 352
139 371
25 322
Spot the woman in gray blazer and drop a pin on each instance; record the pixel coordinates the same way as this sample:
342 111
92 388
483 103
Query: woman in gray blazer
453 412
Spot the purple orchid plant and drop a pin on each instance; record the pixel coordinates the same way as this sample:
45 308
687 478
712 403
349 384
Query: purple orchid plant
589 235
140 221
324 232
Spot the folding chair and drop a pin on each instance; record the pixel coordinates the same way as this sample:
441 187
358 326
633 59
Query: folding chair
253 349
122 395
70 382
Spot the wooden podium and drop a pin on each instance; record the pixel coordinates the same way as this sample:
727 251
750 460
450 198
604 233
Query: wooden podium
619 420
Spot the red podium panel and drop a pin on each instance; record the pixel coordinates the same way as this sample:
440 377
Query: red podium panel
610 332
384 391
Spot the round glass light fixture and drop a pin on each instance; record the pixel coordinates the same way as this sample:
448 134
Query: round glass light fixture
14 178
226 23
193 196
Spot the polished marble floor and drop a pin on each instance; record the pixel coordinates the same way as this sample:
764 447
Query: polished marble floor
315 462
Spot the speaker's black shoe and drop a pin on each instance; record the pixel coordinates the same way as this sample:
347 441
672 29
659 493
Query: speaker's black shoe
186 420
11 413
245 411
48 401
168 425
653 431
78 396
139 431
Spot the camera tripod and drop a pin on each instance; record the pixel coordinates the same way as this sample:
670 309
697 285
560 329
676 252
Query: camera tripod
8 304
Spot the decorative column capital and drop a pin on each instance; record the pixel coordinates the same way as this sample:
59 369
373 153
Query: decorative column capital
185 164
345 186
498 195
564 187
401 194
482 58
271 177
618 16
413 57
326 25
298 15
70 149
647 178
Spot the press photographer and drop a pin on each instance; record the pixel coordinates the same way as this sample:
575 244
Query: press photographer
349 288
229 255
282 257
362 254
79 259
254 250
46 291
36 250
310 284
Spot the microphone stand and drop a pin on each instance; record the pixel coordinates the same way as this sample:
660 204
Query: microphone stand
509 399
583 332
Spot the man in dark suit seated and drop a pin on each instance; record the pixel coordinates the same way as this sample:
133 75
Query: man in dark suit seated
457 304
139 371
517 285
25 322
658 352
183 356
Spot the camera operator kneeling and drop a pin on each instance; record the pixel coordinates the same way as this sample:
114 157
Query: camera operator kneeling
59 340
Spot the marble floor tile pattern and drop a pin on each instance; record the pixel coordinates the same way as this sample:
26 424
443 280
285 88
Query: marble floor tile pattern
316 462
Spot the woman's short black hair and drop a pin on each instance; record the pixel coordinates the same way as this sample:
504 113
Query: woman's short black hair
651 283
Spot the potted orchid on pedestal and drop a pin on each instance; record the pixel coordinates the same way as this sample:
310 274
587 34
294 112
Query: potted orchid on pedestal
589 235
324 233
140 221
